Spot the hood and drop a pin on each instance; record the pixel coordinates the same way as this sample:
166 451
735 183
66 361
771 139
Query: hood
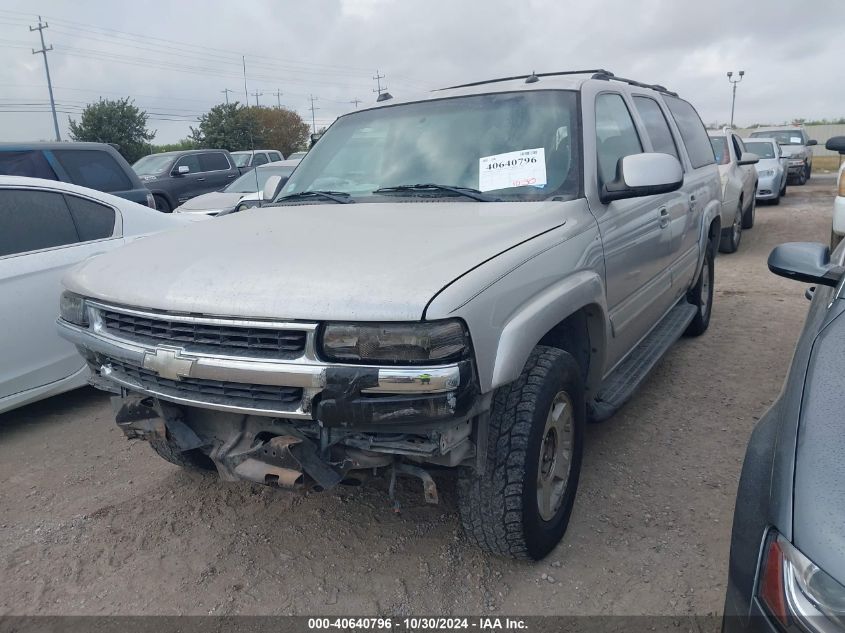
375 261
216 200
767 163
792 150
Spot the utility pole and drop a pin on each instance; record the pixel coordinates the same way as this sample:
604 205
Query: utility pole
257 94
226 91
355 102
313 110
40 28
246 94
734 82
379 89
278 94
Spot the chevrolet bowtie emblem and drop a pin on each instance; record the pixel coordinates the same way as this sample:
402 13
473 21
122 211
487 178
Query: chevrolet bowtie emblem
167 362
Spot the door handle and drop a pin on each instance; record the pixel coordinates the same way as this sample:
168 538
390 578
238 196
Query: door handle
664 217
200 179
231 175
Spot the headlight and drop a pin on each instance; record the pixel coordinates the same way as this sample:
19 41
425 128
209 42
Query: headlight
72 308
764 173
434 342
796 161
795 588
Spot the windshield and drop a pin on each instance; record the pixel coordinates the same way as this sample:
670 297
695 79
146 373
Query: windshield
246 183
241 160
518 145
720 148
152 164
763 149
784 137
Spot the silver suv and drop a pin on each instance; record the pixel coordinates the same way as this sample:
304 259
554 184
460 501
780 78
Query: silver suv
456 283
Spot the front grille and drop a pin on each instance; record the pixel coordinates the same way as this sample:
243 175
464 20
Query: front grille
201 389
240 340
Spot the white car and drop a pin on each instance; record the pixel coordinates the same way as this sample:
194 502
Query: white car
739 186
837 144
45 227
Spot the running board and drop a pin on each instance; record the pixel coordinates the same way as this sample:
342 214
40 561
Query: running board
620 385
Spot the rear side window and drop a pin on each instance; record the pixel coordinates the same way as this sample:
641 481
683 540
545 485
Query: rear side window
656 126
94 169
692 132
616 135
94 221
215 161
260 159
27 163
274 156
33 220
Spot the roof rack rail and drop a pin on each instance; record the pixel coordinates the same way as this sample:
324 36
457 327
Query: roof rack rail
591 71
607 76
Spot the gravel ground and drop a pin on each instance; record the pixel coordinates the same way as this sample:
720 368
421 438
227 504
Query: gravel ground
91 523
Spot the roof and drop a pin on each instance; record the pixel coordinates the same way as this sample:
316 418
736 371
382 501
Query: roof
775 128
280 163
30 145
250 151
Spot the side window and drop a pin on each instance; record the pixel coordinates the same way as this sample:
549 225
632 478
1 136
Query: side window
616 135
191 161
93 168
27 163
215 161
94 221
274 156
31 220
692 132
260 159
656 126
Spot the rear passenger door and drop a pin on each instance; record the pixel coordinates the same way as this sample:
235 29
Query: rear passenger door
42 233
700 182
216 171
635 233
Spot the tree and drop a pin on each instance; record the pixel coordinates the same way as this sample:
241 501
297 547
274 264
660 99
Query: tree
228 126
281 129
114 121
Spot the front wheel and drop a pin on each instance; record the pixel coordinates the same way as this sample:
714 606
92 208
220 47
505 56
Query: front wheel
162 204
701 296
732 236
748 216
521 504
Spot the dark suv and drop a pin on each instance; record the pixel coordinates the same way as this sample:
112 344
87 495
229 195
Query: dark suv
175 177
94 165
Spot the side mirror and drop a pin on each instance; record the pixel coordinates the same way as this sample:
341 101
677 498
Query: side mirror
812 141
805 261
643 174
836 144
181 170
748 158
271 187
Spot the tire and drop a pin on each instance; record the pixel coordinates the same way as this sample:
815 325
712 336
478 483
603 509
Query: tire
783 188
801 179
501 508
748 216
732 236
162 204
192 460
701 296
808 172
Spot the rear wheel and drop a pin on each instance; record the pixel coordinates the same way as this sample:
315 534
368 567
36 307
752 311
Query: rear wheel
732 235
701 296
162 204
520 506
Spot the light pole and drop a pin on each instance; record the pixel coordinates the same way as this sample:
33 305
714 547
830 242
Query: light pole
734 82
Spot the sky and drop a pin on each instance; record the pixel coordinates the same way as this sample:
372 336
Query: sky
175 58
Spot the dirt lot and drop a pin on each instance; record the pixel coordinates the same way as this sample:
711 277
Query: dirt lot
91 523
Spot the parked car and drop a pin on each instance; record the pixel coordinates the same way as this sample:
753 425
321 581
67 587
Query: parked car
174 177
787 556
772 168
369 321
247 158
797 147
739 186
45 227
95 165
297 155
837 144
243 193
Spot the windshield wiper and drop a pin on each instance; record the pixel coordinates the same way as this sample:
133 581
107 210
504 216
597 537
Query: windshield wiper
335 196
468 192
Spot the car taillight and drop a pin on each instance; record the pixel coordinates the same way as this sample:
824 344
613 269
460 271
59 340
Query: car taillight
772 591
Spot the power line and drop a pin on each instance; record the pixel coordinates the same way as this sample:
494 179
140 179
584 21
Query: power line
40 28
313 110
378 79
257 94
355 102
278 94
226 91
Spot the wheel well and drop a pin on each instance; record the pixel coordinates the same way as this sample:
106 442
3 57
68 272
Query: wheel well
715 229
573 335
